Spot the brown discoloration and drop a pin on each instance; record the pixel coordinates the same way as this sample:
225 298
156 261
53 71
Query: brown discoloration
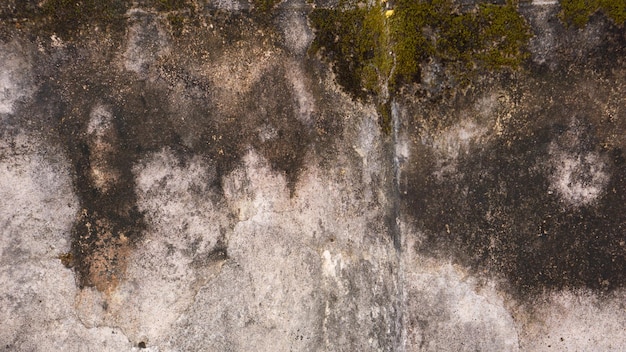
67 259
103 252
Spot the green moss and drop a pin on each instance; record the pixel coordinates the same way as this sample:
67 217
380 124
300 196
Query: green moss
615 10
503 36
373 55
353 38
577 12
457 37
358 40
410 44
381 62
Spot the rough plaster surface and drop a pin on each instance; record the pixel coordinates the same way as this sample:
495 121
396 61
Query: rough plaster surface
38 295
213 189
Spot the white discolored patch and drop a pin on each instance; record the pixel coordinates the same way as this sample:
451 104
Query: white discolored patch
545 2
367 136
304 97
298 36
267 133
578 321
454 141
300 268
15 83
331 266
103 144
100 120
446 312
178 252
579 179
264 295
402 150
37 209
255 190
545 40
230 5
38 204
579 174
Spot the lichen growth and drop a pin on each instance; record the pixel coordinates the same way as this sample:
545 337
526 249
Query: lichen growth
577 12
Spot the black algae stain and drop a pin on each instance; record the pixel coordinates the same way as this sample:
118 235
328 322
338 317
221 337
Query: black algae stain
108 120
109 222
499 213
281 137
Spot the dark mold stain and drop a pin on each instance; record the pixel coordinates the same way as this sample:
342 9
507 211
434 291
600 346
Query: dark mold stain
272 101
109 222
499 212
79 87
218 254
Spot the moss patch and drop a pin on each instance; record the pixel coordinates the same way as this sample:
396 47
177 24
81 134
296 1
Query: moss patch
615 9
577 12
367 49
354 38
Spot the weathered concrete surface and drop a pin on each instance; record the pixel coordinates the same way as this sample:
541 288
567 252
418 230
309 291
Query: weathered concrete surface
514 190
192 180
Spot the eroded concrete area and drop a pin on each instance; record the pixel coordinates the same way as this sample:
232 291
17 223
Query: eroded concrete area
190 177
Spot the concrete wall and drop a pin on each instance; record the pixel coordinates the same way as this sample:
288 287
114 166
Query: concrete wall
191 179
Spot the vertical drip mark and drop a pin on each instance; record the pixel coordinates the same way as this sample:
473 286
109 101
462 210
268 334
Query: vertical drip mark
395 125
396 230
